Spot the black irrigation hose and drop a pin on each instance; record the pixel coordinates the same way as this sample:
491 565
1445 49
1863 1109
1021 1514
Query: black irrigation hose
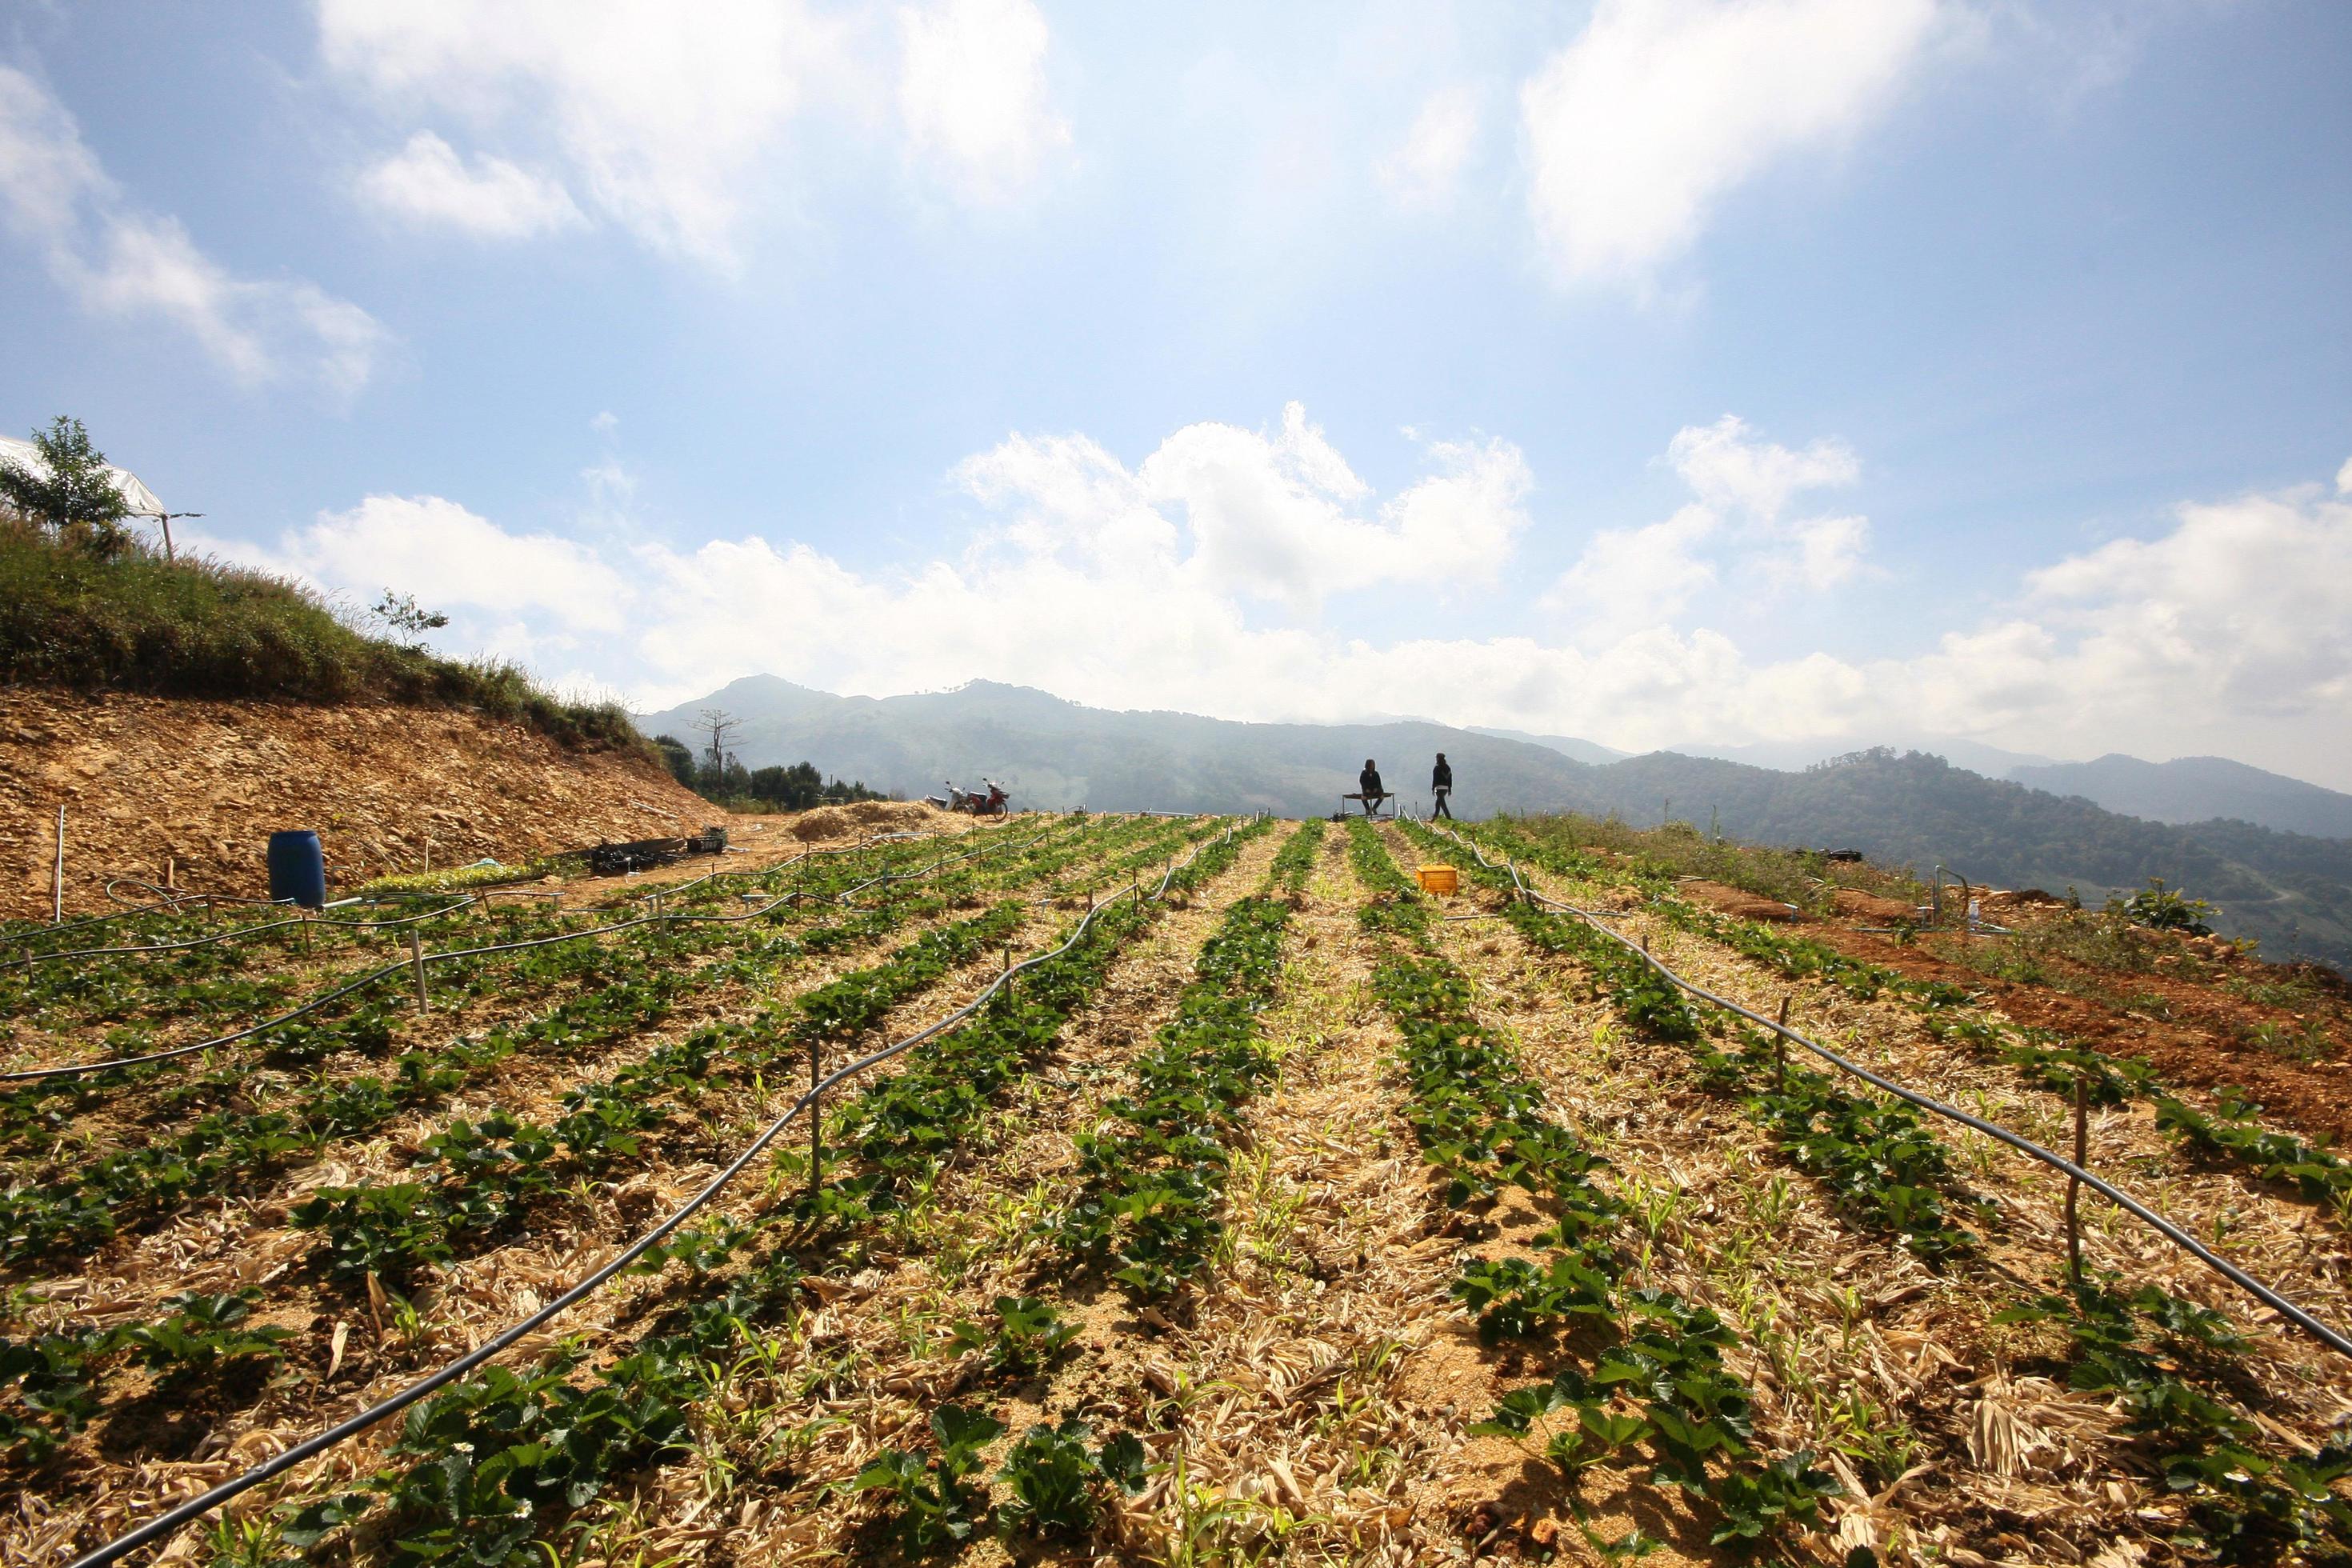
195 1508
2181 1238
255 929
36 1075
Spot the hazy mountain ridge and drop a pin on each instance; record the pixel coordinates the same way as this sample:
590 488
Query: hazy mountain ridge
2197 789
2293 891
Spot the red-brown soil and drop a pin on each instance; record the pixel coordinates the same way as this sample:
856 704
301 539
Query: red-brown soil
1735 901
2202 1046
144 779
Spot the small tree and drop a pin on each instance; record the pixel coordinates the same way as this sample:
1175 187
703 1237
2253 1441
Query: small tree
719 724
677 757
76 497
401 614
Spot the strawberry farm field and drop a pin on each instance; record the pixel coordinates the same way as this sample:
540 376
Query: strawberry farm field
1270 1210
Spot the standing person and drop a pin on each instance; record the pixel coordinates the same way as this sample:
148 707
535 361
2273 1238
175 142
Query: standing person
1369 780
1441 784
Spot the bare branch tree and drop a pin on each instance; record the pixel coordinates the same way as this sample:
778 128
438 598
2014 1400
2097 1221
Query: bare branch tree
717 723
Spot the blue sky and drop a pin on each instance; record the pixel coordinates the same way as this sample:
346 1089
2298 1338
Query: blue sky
1657 371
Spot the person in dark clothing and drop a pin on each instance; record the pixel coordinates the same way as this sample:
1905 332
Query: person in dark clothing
1441 784
1369 780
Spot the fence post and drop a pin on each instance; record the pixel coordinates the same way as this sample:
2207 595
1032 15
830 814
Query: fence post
2074 1183
416 968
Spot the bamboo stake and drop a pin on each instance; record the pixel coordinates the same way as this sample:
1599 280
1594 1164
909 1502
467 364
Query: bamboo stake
2074 1185
57 873
817 1116
416 968
1781 1046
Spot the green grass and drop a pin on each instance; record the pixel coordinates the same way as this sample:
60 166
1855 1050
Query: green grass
200 629
1798 877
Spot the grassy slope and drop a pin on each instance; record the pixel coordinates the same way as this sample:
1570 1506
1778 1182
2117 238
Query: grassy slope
199 629
2294 892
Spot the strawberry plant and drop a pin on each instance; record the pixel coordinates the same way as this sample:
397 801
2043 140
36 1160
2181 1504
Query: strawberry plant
1026 1335
934 1503
1056 1480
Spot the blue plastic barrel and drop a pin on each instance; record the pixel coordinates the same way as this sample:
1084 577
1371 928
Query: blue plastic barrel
298 868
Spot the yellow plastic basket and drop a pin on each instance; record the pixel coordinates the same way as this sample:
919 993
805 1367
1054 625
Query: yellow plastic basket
1442 880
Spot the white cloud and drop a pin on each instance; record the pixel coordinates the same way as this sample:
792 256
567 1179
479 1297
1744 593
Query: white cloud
2229 629
449 558
1630 578
2344 479
683 123
1423 170
973 96
1730 469
427 181
1659 107
117 260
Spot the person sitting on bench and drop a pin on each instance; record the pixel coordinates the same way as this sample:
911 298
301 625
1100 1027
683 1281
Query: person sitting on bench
1369 780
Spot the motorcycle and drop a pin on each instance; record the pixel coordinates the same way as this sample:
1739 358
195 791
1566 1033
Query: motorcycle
992 802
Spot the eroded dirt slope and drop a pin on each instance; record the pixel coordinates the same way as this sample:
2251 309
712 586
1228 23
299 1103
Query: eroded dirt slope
205 783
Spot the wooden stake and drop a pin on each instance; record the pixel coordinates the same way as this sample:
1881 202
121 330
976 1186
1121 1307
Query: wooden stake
817 1116
57 875
1008 971
416 967
2074 1185
1780 1044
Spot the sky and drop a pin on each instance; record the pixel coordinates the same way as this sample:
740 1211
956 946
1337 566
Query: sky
1656 372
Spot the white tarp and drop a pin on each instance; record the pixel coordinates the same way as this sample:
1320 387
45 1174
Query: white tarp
142 501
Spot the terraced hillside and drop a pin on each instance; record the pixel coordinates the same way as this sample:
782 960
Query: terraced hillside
1232 1200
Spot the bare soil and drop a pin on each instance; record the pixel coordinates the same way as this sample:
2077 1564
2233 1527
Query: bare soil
147 780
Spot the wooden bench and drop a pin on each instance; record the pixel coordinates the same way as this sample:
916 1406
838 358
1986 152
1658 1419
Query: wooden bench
1372 803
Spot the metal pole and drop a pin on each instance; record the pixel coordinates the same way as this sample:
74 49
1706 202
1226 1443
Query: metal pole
57 873
2074 1185
416 968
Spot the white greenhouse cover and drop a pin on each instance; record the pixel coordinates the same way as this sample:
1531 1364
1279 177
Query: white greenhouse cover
142 501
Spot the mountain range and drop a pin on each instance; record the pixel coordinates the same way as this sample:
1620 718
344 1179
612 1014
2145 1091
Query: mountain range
2291 889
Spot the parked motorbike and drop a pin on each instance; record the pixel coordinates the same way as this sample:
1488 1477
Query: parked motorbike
990 802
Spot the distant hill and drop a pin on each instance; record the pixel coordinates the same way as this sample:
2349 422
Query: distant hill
2293 891
1588 751
2197 789
1057 754
1793 756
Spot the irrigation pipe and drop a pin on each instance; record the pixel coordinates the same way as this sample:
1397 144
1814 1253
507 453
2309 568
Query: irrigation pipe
2122 1200
255 929
406 965
195 1508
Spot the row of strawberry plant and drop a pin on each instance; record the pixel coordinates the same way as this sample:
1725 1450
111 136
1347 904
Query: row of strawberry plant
227 1149
2161 1359
161 987
1295 862
2231 1132
2157 1361
1151 1178
490 1170
1649 1372
477 1178
473 1472
360 1023
1876 1156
